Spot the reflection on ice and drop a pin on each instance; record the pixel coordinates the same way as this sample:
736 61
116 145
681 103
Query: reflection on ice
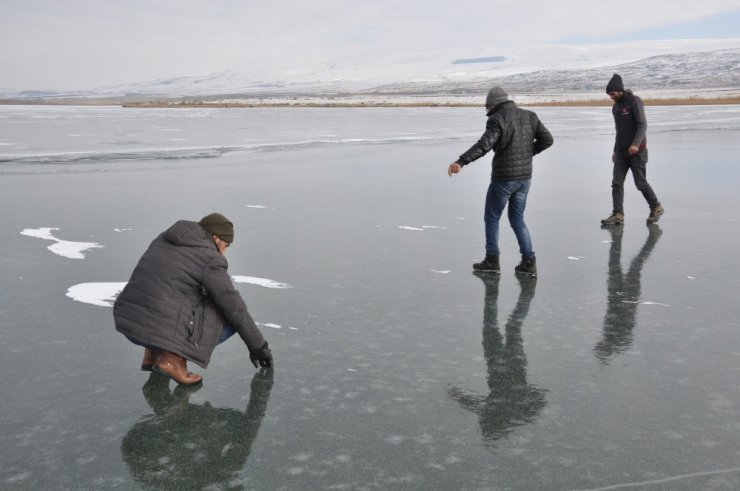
623 294
511 401
193 446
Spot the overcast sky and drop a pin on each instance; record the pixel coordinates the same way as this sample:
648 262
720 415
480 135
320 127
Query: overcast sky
81 44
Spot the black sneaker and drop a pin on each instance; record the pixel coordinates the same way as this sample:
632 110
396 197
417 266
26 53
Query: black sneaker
528 266
488 265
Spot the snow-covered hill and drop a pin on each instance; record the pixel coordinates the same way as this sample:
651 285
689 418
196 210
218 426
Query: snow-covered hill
689 67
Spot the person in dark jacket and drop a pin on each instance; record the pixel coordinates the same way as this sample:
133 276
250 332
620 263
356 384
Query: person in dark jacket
514 135
180 301
630 151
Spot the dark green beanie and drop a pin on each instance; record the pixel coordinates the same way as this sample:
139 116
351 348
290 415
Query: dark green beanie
217 224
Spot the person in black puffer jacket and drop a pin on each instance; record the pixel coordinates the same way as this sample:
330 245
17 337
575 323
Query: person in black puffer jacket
180 301
515 135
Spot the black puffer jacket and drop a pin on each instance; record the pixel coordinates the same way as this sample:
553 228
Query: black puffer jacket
515 135
180 295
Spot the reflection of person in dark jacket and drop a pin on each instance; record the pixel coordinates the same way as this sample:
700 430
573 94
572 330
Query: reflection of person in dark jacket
623 294
180 301
511 401
514 135
193 446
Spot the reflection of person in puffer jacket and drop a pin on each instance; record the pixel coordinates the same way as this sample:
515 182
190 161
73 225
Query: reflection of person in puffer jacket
511 400
180 301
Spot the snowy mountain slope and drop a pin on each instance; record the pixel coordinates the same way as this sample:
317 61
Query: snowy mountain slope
705 70
654 65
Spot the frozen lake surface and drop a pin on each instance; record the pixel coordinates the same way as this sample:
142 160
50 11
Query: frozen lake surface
396 367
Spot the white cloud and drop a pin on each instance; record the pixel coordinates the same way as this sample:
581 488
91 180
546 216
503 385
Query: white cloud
88 43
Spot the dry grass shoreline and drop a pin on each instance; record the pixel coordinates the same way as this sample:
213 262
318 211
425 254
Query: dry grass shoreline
689 101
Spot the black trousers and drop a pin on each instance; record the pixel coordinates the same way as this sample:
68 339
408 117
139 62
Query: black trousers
637 163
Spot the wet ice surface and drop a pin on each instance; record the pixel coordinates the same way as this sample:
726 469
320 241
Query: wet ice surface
396 367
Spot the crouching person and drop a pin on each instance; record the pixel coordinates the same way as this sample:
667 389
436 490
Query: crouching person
180 301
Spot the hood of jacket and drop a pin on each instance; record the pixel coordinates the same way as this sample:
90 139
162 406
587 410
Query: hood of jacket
188 234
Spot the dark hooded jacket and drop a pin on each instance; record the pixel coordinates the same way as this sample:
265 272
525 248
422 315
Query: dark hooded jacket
515 135
180 295
630 122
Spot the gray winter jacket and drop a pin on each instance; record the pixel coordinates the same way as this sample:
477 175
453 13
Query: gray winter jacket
515 135
180 295
630 123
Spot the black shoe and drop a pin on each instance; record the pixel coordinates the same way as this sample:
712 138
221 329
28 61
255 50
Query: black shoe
528 266
488 265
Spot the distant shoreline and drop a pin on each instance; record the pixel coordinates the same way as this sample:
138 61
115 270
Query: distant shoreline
688 101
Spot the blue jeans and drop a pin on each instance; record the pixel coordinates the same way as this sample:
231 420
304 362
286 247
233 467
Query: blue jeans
515 194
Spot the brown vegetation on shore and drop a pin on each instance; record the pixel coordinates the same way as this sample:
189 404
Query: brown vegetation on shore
689 101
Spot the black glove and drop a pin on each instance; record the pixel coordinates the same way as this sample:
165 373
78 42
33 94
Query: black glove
261 357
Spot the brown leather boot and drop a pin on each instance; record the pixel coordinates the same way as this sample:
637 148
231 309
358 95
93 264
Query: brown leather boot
175 367
150 356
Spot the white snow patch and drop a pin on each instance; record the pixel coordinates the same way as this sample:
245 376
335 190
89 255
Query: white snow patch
690 278
646 303
257 207
122 229
265 282
423 227
100 294
270 325
64 248
576 258
445 271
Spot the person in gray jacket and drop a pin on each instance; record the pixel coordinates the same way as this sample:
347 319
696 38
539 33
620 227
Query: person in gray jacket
630 152
180 301
514 135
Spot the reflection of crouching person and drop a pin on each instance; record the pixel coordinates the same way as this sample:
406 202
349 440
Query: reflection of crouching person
180 301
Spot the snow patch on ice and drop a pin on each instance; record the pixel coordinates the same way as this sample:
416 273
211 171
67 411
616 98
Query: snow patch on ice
270 325
445 271
100 294
423 227
64 248
265 282
122 229
576 258
646 303
257 207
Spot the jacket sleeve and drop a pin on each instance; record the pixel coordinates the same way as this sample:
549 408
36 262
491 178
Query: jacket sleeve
486 142
219 286
542 138
638 113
